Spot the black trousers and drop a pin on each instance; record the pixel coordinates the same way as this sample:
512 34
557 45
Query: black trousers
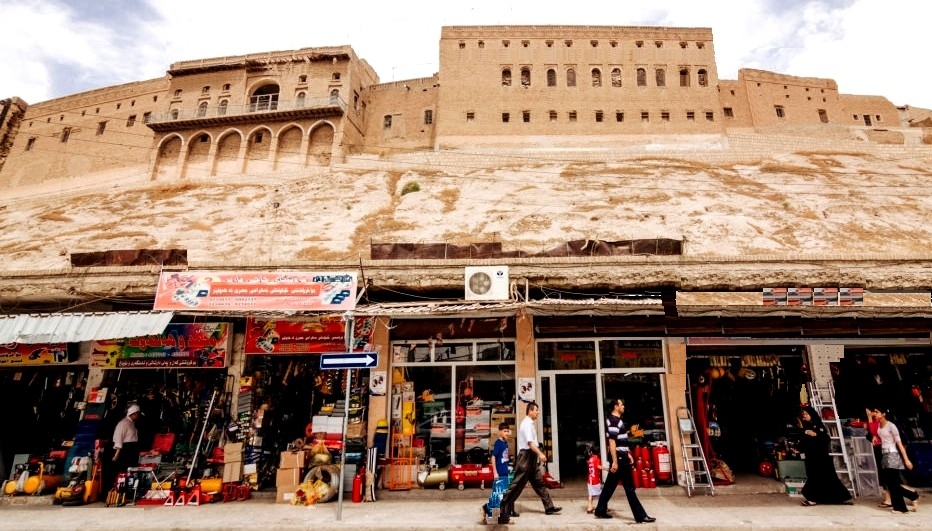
527 469
623 474
893 480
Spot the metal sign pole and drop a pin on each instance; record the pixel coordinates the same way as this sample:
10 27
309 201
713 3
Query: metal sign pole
350 324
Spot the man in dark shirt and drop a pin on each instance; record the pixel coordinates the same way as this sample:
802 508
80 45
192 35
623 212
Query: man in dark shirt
616 438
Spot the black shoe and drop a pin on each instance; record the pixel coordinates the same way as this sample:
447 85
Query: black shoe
553 510
647 520
504 521
512 513
603 515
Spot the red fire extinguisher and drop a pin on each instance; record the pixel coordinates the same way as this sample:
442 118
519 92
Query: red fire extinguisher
653 479
662 463
645 481
357 484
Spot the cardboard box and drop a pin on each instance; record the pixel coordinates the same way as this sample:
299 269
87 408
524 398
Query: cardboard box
233 472
232 452
291 460
288 477
284 495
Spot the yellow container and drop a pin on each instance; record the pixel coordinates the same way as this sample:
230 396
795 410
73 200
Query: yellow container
211 485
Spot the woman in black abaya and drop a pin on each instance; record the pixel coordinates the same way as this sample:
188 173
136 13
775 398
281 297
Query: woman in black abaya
822 483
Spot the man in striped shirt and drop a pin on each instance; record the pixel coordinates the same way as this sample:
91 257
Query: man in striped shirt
616 438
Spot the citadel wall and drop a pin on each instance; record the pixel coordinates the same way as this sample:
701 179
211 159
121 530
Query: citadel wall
499 87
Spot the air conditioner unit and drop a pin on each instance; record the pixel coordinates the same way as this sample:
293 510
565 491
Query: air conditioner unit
487 283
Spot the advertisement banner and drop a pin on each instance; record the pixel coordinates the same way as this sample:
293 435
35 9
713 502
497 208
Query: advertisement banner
238 291
42 354
198 345
323 334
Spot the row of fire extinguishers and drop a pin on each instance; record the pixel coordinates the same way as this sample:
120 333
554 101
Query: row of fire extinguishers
651 465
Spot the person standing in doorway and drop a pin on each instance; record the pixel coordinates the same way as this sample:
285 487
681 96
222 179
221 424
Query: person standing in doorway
616 438
527 468
125 443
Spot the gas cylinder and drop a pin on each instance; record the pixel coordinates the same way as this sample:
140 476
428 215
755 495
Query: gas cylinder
357 484
662 463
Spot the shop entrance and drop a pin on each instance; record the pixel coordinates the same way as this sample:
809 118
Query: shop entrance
571 400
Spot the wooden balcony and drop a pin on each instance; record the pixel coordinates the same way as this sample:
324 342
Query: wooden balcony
266 111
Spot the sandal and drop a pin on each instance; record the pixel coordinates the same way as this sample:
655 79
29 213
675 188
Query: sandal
590 511
884 505
807 503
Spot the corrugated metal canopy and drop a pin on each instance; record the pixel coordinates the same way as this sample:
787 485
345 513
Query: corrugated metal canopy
74 327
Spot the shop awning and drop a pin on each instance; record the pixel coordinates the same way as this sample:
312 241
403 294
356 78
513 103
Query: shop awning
74 327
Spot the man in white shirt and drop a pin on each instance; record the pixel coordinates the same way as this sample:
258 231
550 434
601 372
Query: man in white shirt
125 444
527 469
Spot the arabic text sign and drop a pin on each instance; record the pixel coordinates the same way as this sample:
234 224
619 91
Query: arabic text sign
203 345
236 291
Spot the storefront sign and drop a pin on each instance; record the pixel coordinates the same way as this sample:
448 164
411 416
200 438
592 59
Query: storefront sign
198 345
238 291
23 354
324 334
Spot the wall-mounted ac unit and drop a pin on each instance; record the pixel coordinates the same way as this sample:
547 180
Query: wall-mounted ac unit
487 283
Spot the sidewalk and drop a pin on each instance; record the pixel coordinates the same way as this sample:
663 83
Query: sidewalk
459 510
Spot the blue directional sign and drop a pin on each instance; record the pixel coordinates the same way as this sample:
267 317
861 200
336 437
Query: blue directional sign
349 360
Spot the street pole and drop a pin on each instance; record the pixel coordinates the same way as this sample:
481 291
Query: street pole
349 327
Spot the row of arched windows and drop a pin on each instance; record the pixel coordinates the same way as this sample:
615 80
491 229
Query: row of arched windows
615 77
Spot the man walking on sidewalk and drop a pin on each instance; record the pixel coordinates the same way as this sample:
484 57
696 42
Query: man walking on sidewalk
527 468
616 437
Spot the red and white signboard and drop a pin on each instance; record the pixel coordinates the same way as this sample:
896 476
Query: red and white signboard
238 291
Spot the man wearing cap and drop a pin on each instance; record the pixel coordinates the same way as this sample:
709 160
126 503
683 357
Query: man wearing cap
125 443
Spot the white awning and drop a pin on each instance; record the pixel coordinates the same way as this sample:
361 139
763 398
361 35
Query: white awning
74 327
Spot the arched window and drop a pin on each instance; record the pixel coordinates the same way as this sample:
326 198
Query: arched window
661 77
174 114
596 77
525 77
202 109
299 100
642 77
506 77
223 107
551 78
684 77
570 78
616 77
703 78
265 98
334 97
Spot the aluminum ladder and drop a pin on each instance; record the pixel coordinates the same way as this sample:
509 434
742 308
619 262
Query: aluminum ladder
695 466
822 399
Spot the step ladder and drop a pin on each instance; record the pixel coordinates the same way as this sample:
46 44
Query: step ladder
695 465
822 399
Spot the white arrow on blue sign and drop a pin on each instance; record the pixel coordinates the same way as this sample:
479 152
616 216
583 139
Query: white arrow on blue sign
349 360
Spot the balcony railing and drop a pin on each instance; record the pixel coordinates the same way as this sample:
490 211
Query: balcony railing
262 109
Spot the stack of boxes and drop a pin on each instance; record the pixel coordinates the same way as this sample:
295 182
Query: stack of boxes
289 475
233 462
478 428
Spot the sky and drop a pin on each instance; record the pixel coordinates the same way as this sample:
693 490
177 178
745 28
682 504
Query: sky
52 48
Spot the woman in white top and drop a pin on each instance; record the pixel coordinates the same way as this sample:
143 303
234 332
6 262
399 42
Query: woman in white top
894 460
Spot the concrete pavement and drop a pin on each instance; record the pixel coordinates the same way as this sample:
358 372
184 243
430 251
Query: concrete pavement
459 510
